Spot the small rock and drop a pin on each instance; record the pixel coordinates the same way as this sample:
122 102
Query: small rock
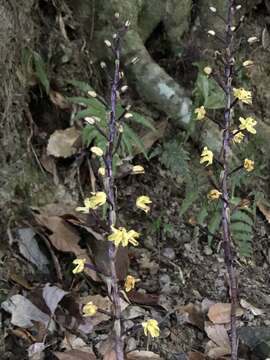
169 253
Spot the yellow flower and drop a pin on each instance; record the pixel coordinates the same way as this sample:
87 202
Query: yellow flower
130 283
238 137
93 202
249 165
248 63
123 237
151 327
101 171
248 124
84 209
89 309
138 169
79 265
214 194
200 112
97 150
207 70
206 156
243 95
142 203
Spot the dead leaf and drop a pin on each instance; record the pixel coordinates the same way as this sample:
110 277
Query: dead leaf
264 209
218 334
28 247
255 311
52 296
110 355
20 280
194 355
133 312
103 303
35 351
23 312
73 342
58 100
220 313
74 355
143 355
63 143
142 298
65 238
216 352
192 314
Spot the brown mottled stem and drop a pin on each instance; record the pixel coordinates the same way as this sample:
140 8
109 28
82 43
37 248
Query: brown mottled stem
226 231
109 187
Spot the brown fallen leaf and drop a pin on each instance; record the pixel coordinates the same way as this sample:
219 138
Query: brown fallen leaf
59 100
142 299
216 352
220 313
65 238
103 303
195 355
218 334
20 280
264 209
142 355
74 355
64 143
192 314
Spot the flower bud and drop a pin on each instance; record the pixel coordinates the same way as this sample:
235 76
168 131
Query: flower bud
211 32
213 9
107 43
92 93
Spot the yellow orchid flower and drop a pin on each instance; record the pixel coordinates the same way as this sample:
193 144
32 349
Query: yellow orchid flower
238 136
248 124
123 237
248 165
243 95
86 208
102 171
80 263
89 309
138 169
130 283
200 112
142 203
214 194
93 202
96 150
207 156
151 327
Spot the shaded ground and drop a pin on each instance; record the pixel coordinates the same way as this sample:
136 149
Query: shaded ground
174 264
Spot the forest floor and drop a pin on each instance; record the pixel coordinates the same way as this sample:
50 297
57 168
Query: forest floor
182 280
183 284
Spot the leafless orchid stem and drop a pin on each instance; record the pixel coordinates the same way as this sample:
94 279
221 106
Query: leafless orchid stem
226 144
109 188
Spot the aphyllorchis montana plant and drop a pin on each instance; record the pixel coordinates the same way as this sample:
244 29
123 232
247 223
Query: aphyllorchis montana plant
107 196
234 132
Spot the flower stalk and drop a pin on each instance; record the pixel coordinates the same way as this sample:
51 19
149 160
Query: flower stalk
109 189
225 153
